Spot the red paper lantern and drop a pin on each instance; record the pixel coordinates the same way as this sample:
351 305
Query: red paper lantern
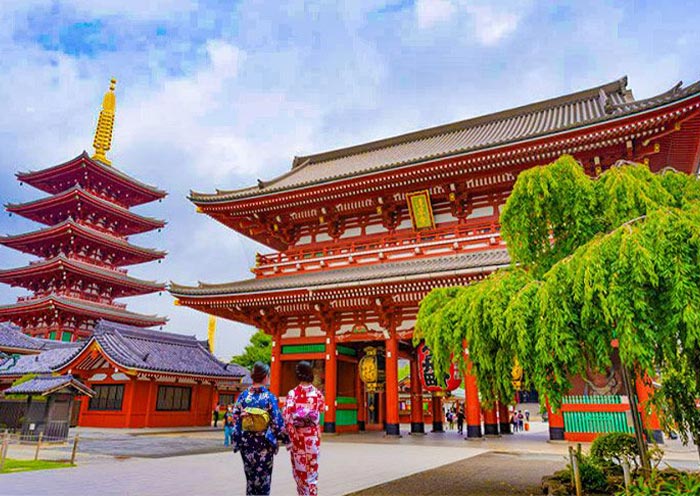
427 373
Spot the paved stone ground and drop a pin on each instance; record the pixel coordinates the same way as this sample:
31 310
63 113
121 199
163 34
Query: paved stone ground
489 474
345 467
165 461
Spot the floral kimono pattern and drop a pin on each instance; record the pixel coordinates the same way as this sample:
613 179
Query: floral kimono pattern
302 413
258 448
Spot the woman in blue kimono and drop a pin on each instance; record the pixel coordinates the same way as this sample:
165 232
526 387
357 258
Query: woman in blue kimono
258 428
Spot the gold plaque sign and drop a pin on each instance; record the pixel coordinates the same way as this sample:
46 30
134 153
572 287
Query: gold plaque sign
420 209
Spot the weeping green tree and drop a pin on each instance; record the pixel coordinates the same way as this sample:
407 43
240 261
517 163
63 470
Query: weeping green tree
594 261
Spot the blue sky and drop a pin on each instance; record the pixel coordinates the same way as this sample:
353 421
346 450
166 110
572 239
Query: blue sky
217 93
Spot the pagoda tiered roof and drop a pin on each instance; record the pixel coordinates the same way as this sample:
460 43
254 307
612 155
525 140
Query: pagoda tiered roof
595 106
57 239
77 202
68 307
37 274
93 175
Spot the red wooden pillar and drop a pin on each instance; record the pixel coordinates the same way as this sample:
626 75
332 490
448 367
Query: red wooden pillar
129 403
276 364
473 406
491 421
556 424
360 395
504 418
417 424
331 382
438 414
652 425
392 385
150 402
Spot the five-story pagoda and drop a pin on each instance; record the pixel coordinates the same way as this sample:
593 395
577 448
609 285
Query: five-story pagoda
83 250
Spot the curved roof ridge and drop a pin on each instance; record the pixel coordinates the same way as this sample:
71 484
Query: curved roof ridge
85 229
301 162
77 188
23 176
92 268
618 85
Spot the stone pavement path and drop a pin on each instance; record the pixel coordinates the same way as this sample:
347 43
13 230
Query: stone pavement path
345 467
488 474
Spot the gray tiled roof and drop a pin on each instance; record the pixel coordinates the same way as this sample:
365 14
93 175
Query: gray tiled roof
157 351
595 105
45 362
47 384
132 348
355 275
12 338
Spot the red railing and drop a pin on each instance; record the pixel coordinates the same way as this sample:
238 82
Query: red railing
373 249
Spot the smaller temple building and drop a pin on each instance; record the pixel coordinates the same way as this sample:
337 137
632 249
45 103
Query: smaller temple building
140 377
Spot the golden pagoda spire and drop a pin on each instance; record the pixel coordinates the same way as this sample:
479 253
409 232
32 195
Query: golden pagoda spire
103 133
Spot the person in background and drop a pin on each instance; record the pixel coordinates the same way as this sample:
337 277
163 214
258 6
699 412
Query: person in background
460 420
514 421
215 415
229 422
302 414
527 415
521 421
257 429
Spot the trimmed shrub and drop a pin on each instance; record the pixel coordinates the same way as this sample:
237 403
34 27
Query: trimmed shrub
612 449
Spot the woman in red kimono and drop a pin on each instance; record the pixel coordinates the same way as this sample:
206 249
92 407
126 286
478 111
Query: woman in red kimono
302 414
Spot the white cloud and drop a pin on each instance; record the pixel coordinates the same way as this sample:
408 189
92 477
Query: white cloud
430 13
488 22
492 22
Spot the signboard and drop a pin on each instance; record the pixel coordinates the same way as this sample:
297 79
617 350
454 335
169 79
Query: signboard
420 209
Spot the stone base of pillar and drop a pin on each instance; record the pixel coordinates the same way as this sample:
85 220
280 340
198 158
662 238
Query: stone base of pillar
473 431
556 433
329 427
361 425
505 428
393 430
417 428
437 427
491 430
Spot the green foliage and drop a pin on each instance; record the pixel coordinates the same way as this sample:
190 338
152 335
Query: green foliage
259 350
598 259
593 477
614 448
23 379
668 482
677 398
558 200
13 466
404 371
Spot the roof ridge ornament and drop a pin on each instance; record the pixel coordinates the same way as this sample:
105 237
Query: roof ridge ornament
105 123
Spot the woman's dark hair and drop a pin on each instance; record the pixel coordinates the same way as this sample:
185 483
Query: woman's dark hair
260 370
304 372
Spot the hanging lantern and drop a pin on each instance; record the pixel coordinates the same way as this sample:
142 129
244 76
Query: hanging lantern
430 382
372 369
